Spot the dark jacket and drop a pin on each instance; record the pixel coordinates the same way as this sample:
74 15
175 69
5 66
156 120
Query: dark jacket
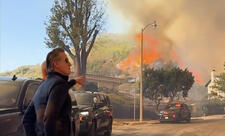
50 108
29 120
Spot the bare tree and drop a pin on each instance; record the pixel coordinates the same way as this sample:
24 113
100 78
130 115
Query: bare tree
74 26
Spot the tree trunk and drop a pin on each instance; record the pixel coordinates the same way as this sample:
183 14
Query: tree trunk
83 62
84 65
157 108
80 66
171 98
76 67
157 103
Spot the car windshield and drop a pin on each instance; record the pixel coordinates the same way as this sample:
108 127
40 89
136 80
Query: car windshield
84 99
9 92
172 106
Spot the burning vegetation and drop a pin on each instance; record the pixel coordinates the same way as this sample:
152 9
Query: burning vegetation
153 56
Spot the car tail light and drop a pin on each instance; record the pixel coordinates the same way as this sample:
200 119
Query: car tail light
178 105
165 112
174 115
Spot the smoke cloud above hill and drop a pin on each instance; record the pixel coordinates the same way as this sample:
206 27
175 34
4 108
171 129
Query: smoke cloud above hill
195 29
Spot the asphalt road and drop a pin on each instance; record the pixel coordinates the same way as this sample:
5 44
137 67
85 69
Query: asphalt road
208 126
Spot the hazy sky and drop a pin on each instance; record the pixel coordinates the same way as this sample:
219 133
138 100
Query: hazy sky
194 30
22 31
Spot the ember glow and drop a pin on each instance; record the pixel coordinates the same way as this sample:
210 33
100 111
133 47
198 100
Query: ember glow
151 53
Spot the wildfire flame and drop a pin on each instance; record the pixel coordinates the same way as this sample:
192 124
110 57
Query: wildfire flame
197 75
151 53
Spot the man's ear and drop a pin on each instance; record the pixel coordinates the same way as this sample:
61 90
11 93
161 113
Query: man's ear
55 65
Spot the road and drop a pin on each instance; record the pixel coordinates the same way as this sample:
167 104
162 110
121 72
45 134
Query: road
207 126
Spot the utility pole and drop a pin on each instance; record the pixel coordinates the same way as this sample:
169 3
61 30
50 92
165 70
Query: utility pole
141 79
134 106
153 25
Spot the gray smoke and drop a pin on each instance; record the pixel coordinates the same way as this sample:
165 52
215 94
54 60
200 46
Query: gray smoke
194 28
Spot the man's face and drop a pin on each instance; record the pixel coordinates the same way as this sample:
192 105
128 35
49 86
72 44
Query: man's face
62 65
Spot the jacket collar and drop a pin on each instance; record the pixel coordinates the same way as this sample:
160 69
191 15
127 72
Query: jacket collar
58 74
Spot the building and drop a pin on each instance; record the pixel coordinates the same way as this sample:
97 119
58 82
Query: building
212 92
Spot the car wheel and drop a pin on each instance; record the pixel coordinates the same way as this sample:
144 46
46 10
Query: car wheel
20 131
109 129
188 120
93 131
77 127
161 121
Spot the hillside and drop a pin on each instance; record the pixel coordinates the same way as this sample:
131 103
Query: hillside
31 71
108 51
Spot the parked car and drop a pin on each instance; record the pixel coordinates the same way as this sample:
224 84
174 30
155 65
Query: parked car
15 96
175 112
95 113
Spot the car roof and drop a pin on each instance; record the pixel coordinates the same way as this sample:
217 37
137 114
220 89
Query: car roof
175 103
17 79
10 78
89 92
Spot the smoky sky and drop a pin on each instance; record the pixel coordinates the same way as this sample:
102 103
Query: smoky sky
194 28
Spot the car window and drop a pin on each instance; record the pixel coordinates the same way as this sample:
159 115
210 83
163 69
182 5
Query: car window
173 106
9 92
84 99
31 89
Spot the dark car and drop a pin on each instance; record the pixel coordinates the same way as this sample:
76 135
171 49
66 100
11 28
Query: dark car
15 96
95 113
175 112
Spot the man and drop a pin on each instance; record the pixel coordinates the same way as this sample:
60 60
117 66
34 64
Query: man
51 103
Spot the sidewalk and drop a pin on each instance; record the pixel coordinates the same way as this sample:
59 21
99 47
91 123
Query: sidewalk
210 117
130 122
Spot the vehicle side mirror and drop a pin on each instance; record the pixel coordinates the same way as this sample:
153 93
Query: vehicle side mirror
95 100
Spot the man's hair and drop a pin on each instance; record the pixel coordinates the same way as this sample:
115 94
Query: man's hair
51 57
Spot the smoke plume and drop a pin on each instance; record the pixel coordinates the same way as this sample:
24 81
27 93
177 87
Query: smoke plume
195 29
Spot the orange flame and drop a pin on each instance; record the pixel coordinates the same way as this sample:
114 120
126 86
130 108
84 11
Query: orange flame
150 55
197 75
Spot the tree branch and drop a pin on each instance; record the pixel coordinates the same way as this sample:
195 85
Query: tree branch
69 52
92 42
